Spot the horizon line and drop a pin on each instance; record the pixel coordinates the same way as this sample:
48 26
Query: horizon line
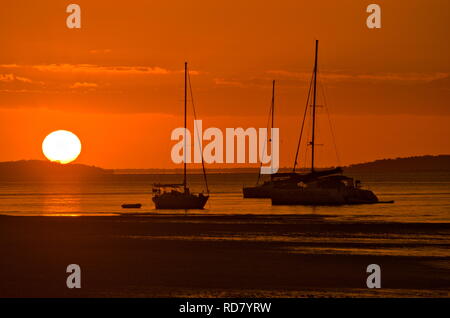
229 168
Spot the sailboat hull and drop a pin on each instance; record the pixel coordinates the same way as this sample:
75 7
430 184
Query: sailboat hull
180 201
258 192
285 181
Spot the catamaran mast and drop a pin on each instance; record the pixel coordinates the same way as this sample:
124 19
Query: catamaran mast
314 107
185 125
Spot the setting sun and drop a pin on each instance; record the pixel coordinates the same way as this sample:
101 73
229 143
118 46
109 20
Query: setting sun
61 146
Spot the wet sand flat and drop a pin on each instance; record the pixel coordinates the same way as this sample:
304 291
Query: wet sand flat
227 256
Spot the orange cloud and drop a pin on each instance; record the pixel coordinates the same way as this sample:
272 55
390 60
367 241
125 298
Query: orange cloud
406 77
230 82
89 68
100 51
12 78
99 69
84 85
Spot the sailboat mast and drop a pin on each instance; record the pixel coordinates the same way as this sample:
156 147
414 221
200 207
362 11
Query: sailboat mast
273 118
185 124
273 103
314 108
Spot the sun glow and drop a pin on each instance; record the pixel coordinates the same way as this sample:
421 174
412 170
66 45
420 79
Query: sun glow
61 146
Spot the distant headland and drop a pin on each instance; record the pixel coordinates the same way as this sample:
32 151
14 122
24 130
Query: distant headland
405 164
408 164
46 170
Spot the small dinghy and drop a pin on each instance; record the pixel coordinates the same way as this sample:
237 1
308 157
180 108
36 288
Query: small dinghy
131 206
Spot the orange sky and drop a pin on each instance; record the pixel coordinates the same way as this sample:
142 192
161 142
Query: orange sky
117 82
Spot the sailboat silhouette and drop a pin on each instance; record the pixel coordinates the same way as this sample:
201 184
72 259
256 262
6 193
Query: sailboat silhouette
276 180
178 196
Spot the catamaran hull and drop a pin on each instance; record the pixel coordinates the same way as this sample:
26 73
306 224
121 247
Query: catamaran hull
180 202
322 197
257 192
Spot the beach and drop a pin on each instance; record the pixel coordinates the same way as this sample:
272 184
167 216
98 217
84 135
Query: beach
203 255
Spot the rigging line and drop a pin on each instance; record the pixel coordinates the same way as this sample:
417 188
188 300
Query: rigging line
264 146
198 134
305 142
303 123
308 137
322 85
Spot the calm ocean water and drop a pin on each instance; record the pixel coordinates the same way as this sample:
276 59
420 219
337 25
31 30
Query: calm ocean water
419 197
